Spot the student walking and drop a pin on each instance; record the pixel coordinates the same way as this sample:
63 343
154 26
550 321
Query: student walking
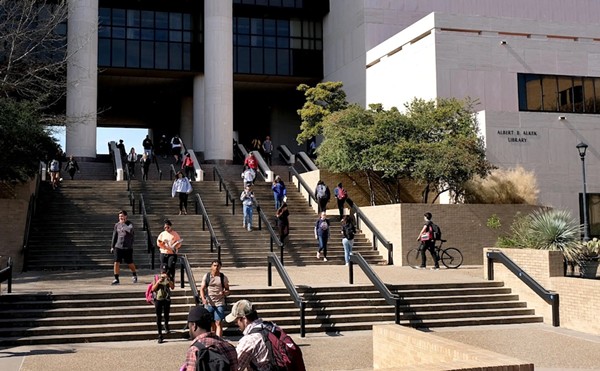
72 167
122 246
341 196
169 243
322 195
162 287
348 232
322 235
279 191
267 148
248 200
283 222
428 242
182 187
214 290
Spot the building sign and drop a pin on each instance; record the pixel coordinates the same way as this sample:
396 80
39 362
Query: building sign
517 136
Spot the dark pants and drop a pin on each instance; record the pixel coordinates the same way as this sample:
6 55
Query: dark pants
171 261
429 245
323 244
162 306
268 158
183 197
189 172
323 204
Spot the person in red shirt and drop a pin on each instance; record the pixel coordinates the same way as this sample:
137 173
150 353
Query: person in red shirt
251 161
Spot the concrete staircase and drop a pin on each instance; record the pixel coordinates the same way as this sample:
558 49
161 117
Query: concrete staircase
124 315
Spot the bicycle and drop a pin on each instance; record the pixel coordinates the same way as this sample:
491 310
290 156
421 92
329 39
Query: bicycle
451 257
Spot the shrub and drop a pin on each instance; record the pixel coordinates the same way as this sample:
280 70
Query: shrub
503 186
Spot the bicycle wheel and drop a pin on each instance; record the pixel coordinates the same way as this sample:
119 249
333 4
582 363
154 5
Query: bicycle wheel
413 258
452 258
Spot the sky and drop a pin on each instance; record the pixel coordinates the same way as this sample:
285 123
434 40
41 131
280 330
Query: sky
131 138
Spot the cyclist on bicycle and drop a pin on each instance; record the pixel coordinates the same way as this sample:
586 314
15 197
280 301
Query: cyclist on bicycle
427 242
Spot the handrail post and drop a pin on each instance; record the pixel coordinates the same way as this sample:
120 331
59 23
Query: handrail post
302 319
219 251
555 312
351 273
397 312
182 270
281 253
490 268
232 207
269 274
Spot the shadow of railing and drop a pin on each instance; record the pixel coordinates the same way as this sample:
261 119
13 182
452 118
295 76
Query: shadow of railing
287 281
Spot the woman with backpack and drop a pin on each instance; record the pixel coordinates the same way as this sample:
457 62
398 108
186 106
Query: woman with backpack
427 240
182 188
348 231
322 195
322 234
161 288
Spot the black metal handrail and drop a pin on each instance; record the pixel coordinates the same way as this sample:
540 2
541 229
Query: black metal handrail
131 197
223 186
172 172
302 184
549 297
158 170
151 248
377 235
6 274
262 218
186 270
356 258
272 260
214 242
239 150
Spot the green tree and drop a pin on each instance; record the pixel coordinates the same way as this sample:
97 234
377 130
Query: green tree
321 100
23 139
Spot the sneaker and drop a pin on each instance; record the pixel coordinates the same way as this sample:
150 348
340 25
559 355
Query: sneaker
115 282
435 268
160 340
324 259
134 279
421 267
167 329
249 229
318 255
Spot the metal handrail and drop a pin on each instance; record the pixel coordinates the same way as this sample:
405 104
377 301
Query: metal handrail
393 299
306 161
206 222
274 237
377 235
6 274
302 183
172 172
549 297
151 249
272 260
186 270
131 196
155 160
239 150
286 154
223 185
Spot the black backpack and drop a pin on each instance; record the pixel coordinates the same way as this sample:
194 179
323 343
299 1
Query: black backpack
437 232
349 231
209 359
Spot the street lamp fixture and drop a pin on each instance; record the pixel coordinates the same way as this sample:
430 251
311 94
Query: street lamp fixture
582 148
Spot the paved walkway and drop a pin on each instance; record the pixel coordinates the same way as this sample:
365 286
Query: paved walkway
547 347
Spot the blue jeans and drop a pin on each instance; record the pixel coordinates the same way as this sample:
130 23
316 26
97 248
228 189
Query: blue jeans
218 312
278 201
248 216
347 248
323 244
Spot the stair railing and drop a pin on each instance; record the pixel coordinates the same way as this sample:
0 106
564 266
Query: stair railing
116 160
549 297
306 161
6 274
392 299
214 242
158 170
172 172
302 184
223 186
239 151
286 155
263 167
274 238
186 271
31 207
151 249
377 235
272 260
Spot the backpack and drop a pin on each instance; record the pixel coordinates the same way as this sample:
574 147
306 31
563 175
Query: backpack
54 166
284 354
341 194
252 162
207 281
321 191
150 295
349 231
209 359
176 140
437 232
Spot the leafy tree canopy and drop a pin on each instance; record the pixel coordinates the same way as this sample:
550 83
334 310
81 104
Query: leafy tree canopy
321 100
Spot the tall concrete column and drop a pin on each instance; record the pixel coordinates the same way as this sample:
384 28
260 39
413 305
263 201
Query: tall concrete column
82 78
218 80
186 126
199 125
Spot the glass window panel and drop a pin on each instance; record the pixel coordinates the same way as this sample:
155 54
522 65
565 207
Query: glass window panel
295 28
243 40
161 35
283 27
133 18
578 94
175 21
118 17
262 2
565 94
243 60
187 57
187 37
307 29
307 44
118 53
162 20
147 54
318 44
118 32
270 27
299 4
283 42
256 26
104 52
147 19
187 22
257 60
588 95
275 3
283 62
104 31
296 43
288 3
270 62
243 26
593 201
270 42
550 94
318 30
256 40
133 33
175 53
147 34
161 56
175 36
104 16
133 54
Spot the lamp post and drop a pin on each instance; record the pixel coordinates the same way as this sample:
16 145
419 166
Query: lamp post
582 147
